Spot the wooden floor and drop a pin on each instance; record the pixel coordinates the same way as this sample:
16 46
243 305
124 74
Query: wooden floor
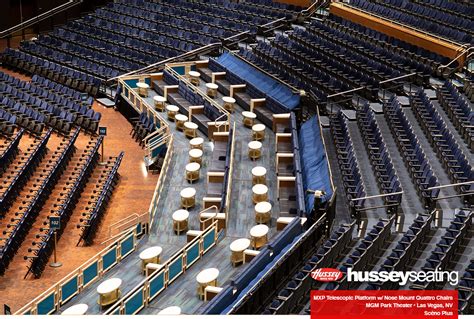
132 195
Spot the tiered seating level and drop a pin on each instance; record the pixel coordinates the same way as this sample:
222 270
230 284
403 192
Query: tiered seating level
451 25
42 102
129 35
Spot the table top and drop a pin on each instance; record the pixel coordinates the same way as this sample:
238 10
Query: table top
194 74
259 230
142 85
191 125
249 114
109 285
260 189
192 167
195 153
174 310
196 141
255 145
212 86
79 309
159 98
259 171
258 128
181 117
151 252
180 215
228 99
263 207
240 244
188 192
172 108
207 275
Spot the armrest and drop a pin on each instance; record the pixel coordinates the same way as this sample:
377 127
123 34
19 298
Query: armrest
256 102
283 118
217 75
236 88
170 89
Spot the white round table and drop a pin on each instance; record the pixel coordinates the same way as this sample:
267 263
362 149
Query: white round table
259 235
76 310
255 150
150 255
174 310
109 291
172 110
259 174
207 277
143 89
190 129
260 193
195 155
229 103
248 118
196 143
258 132
180 120
194 77
212 89
188 197
192 172
263 212
237 248
180 220
159 102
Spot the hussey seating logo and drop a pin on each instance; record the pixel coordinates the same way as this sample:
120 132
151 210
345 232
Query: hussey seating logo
326 274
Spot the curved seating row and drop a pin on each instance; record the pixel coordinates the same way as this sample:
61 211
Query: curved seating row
104 189
455 162
412 153
9 150
43 246
379 156
466 289
348 164
7 123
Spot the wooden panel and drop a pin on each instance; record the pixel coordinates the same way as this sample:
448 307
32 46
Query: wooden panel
301 3
397 31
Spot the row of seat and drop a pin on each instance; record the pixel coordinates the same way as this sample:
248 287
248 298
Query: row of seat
348 164
142 126
443 254
7 123
356 42
62 90
300 283
405 250
444 143
459 110
26 117
364 254
414 56
15 230
59 112
33 64
446 25
9 150
452 7
379 156
41 249
99 201
412 153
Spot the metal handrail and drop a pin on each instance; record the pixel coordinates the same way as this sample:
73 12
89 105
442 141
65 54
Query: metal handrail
466 50
39 18
163 62
210 218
